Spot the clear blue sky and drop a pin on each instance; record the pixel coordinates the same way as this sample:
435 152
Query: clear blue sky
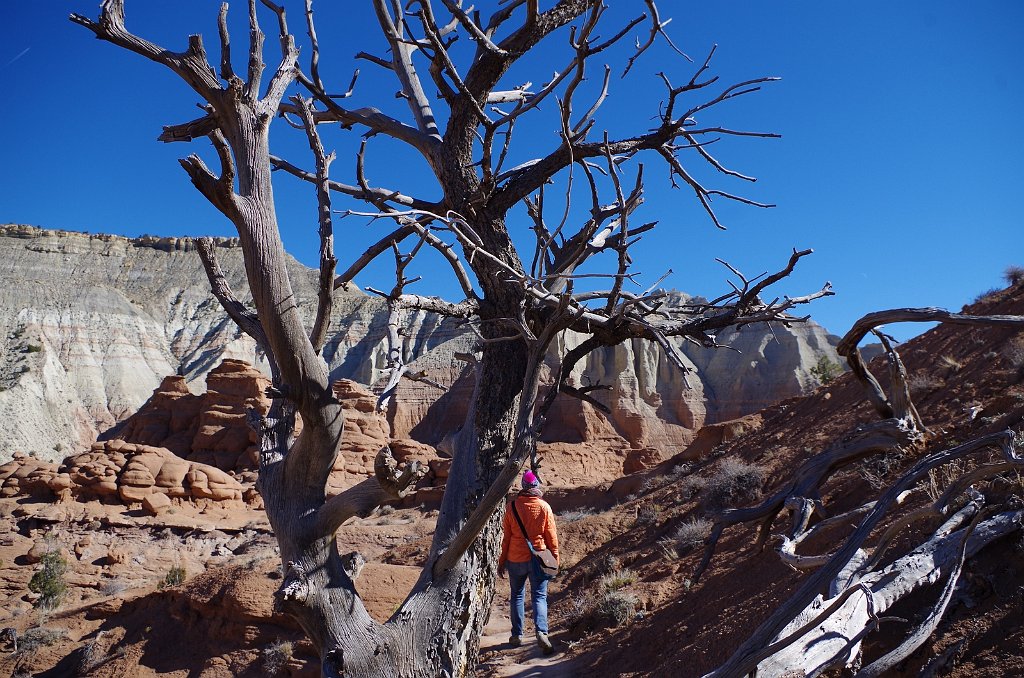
901 162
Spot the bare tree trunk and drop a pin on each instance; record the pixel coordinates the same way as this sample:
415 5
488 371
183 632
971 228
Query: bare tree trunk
436 631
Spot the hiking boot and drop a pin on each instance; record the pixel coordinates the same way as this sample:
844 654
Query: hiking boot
515 641
545 644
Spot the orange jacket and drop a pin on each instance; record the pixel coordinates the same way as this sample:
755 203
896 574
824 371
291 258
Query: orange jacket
539 521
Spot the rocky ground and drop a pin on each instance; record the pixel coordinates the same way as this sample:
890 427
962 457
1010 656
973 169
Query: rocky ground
627 603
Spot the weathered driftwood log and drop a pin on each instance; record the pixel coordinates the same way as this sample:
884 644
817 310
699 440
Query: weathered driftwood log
811 632
809 477
847 346
834 637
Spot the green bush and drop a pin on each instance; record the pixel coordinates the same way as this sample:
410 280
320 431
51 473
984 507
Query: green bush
826 370
39 636
174 576
617 580
33 348
49 582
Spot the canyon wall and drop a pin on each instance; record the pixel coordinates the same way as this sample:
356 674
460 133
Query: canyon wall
90 325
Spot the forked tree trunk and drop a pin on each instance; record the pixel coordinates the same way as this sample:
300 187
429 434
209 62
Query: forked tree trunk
436 632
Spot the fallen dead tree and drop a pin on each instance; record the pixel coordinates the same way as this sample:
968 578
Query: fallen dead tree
823 624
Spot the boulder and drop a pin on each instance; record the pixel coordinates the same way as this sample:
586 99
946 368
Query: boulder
156 503
642 459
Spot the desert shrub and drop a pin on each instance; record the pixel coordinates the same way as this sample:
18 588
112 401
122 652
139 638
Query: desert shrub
691 533
386 510
826 370
609 563
691 486
91 655
616 607
1013 274
33 348
922 383
681 470
575 515
986 294
667 547
619 579
39 636
733 481
581 605
49 582
687 535
276 656
646 515
112 587
876 469
951 363
1013 352
174 576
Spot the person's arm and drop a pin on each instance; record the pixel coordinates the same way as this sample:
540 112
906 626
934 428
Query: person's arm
506 539
550 532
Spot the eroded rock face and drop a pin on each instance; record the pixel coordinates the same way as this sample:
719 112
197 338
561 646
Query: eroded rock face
92 324
210 428
27 476
652 403
119 471
134 316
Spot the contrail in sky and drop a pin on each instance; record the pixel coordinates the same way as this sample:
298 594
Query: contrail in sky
20 54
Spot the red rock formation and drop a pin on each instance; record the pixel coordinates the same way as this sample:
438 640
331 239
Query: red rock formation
131 473
211 429
25 475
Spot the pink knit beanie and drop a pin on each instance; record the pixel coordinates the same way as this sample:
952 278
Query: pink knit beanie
530 479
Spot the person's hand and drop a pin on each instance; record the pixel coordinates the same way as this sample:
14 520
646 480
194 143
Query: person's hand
501 571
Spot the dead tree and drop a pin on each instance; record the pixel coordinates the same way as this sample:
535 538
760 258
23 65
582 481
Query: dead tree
824 622
518 304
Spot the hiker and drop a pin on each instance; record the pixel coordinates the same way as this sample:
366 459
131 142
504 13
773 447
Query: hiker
538 521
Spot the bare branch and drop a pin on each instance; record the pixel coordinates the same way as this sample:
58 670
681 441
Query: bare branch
775 624
360 500
226 72
191 65
465 309
246 320
370 194
318 335
256 65
402 64
475 32
314 57
372 252
371 118
657 28
918 315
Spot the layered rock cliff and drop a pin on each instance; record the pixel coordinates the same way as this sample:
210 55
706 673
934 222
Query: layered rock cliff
90 325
